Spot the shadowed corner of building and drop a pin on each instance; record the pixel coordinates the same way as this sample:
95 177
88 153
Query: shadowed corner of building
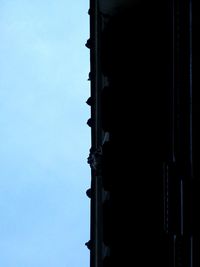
144 133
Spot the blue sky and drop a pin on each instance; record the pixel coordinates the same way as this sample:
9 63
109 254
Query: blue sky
44 140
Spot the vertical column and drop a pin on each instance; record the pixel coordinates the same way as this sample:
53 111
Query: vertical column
96 132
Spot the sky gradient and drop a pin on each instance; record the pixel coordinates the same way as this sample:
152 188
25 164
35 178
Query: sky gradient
44 140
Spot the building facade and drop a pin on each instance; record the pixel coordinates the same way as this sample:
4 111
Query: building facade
144 155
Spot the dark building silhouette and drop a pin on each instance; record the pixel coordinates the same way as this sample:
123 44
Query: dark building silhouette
144 156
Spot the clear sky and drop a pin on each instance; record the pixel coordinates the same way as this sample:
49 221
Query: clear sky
44 139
